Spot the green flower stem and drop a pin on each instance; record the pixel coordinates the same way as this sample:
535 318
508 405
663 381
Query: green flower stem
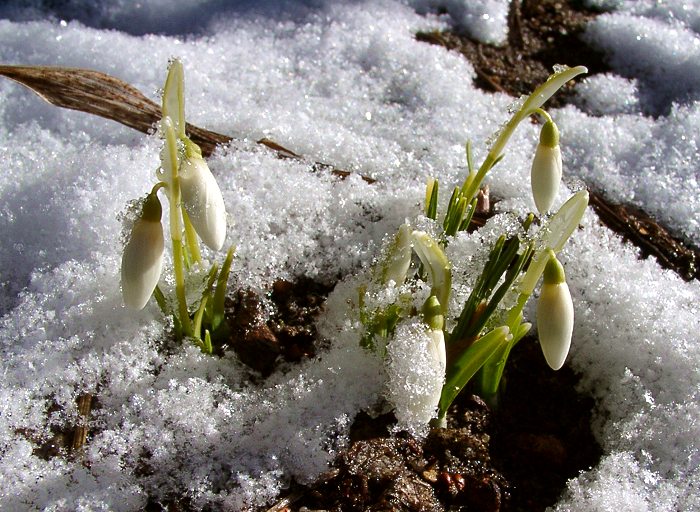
531 104
542 112
176 228
557 232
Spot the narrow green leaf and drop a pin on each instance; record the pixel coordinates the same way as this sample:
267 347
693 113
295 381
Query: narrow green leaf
456 216
208 292
220 292
469 215
478 293
492 371
468 363
197 322
207 348
450 213
174 96
514 270
431 196
470 158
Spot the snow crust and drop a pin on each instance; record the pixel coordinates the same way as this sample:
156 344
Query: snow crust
483 20
346 84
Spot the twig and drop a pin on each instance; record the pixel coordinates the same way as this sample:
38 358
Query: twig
649 236
81 429
105 96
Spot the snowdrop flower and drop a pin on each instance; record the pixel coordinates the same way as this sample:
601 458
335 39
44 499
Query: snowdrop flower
432 316
202 200
399 257
555 314
142 260
545 174
432 312
433 258
436 348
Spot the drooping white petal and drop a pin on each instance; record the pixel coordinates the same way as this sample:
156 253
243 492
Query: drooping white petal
555 315
203 202
546 176
142 262
436 348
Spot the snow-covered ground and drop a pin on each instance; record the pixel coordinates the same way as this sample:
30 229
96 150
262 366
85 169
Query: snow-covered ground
343 83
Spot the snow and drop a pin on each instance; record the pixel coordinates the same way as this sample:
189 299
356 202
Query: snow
344 83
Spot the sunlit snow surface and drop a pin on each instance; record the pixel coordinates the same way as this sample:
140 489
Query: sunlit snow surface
345 84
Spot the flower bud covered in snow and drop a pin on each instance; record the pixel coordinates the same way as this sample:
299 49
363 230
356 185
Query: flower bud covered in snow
432 315
545 175
555 314
416 366
398 258
202 199
142 260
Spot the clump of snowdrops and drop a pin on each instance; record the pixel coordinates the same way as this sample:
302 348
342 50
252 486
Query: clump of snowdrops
196 213
475 345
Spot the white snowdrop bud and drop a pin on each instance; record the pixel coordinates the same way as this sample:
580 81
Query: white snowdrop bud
545 174
424 404
436 349
555 314
433 258
203 201
142 260
432 314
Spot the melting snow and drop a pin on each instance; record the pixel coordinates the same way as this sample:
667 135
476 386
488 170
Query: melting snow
347 84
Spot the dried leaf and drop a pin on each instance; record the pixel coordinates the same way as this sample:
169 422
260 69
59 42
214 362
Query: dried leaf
102 95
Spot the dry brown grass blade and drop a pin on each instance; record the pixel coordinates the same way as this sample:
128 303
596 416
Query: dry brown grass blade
103 95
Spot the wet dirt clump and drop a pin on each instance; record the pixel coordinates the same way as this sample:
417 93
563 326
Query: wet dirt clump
280 326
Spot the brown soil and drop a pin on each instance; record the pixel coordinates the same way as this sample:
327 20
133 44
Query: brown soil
263 334
516 458
542 33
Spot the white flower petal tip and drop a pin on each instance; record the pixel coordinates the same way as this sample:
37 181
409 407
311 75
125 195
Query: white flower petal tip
555 315
438 357
546 171
203 202
142 260
436 348
434 319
